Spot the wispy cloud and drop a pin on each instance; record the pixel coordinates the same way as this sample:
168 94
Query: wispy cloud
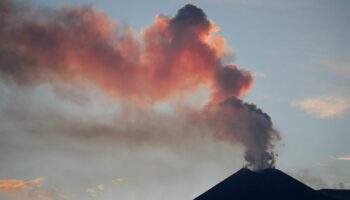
340 67
27 189
344 158
325 106
95 190
16 184
258 74
92 191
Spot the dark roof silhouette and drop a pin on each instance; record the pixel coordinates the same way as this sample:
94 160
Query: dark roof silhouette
337 194
268 184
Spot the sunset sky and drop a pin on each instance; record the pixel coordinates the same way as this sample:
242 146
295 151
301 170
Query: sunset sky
99 135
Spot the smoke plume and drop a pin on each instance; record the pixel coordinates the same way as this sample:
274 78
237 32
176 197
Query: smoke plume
174 56
239 117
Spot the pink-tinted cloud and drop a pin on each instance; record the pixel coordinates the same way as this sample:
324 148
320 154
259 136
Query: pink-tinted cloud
175 54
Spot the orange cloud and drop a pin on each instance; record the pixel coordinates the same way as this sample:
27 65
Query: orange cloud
17 184
344 158
28 189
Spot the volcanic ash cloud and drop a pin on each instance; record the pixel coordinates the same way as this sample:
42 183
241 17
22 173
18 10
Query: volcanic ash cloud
174 56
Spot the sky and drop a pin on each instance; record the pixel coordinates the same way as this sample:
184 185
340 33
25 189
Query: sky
82 139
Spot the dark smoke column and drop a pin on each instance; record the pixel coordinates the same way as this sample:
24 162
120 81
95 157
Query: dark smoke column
258 131
235 121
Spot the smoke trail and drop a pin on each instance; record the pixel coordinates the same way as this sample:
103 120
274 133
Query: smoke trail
175 56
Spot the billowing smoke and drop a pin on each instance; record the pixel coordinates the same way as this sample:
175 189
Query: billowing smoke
174 56
239 117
